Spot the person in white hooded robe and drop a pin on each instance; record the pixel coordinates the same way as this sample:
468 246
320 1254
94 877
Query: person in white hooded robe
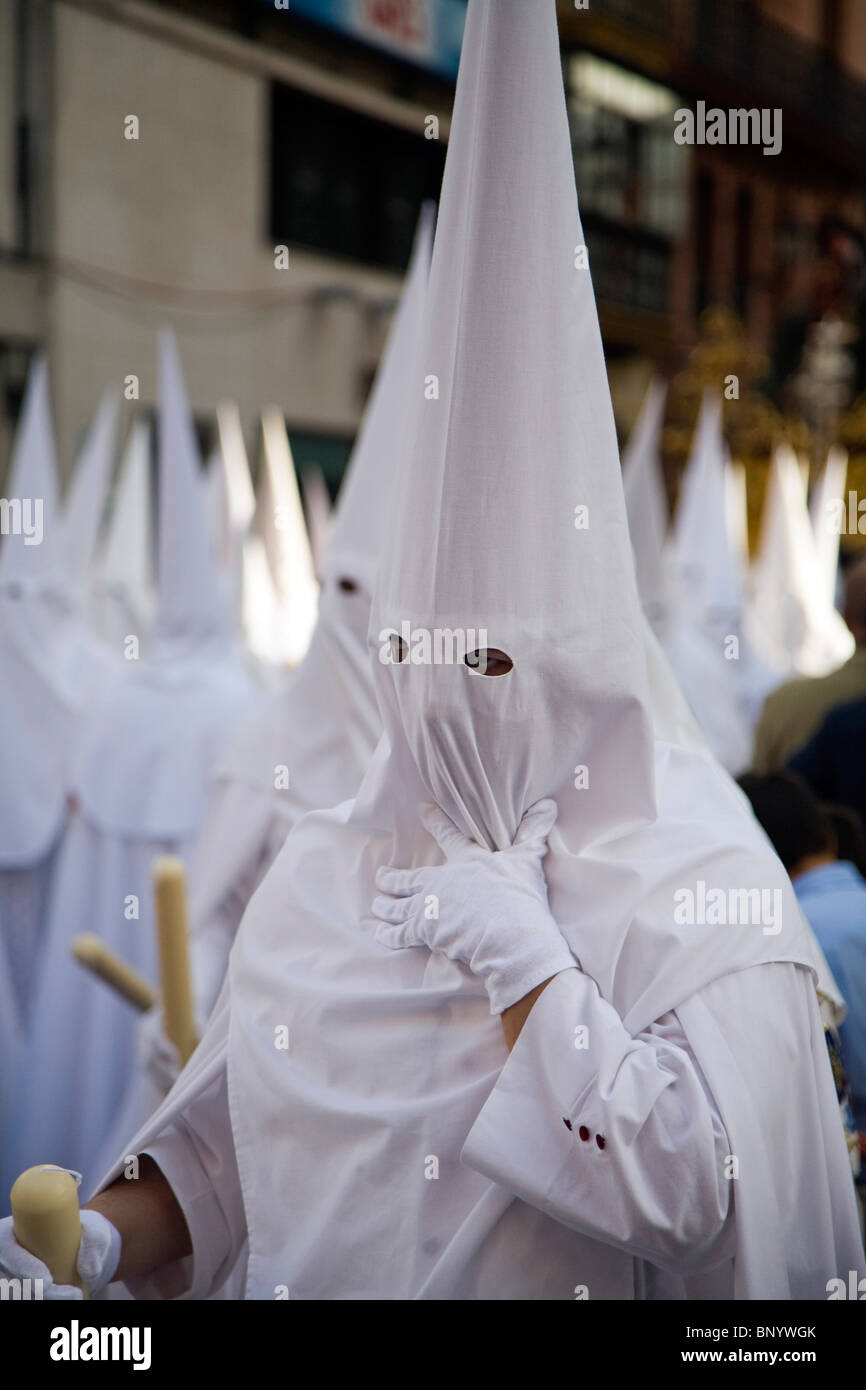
51 666
325 1111
308 744
141 762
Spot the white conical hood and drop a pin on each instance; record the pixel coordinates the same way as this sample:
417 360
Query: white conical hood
736 512
231 503
791 619
87 495
317 510
828 492
706 558
645 501
191 607
32 481
365 498
124 592
514 431
284 532
326 723
238 485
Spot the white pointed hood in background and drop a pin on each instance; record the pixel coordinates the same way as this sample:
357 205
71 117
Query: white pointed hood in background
514 443
191 606
178 705
828 492
231 504
124 593
33 476
326 724
707 560
366 493
317 510
280 523
646 502
791 621
87 496
37 693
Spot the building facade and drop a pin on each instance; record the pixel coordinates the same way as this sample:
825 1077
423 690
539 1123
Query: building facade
250 173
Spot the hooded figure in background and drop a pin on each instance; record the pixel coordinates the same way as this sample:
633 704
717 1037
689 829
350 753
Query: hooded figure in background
52 667
122 592
142 760
352 1060
308 744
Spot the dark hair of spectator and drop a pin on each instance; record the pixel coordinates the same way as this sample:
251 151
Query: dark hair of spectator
792 817
850 834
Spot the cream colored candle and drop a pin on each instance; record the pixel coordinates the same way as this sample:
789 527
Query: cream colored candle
47 1221
95 956
177 1010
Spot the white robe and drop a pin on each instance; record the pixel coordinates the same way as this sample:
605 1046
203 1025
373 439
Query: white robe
529 1209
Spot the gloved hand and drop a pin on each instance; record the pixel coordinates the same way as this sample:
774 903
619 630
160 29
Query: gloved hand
487 909
158 1056
98 1258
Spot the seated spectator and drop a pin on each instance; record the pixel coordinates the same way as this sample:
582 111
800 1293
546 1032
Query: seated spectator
833 896
833 762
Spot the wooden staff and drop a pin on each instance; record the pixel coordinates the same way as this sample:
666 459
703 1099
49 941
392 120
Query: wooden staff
47 1222
95 956
177 1010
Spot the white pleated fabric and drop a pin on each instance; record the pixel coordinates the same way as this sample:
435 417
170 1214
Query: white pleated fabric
791 619
391 1054
123 590
143 760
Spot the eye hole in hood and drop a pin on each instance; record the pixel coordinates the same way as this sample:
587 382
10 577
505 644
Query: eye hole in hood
489 661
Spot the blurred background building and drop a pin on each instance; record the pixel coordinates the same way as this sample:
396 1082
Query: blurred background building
155 155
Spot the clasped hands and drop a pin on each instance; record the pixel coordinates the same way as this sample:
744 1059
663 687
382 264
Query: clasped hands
485 908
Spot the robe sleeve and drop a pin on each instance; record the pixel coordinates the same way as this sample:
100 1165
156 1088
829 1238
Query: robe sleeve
614 1136
196 1155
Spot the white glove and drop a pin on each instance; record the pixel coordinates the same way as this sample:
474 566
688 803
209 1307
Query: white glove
158 1055
98 1258
487 909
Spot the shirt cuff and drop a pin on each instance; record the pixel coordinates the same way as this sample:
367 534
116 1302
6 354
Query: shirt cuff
196 1156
